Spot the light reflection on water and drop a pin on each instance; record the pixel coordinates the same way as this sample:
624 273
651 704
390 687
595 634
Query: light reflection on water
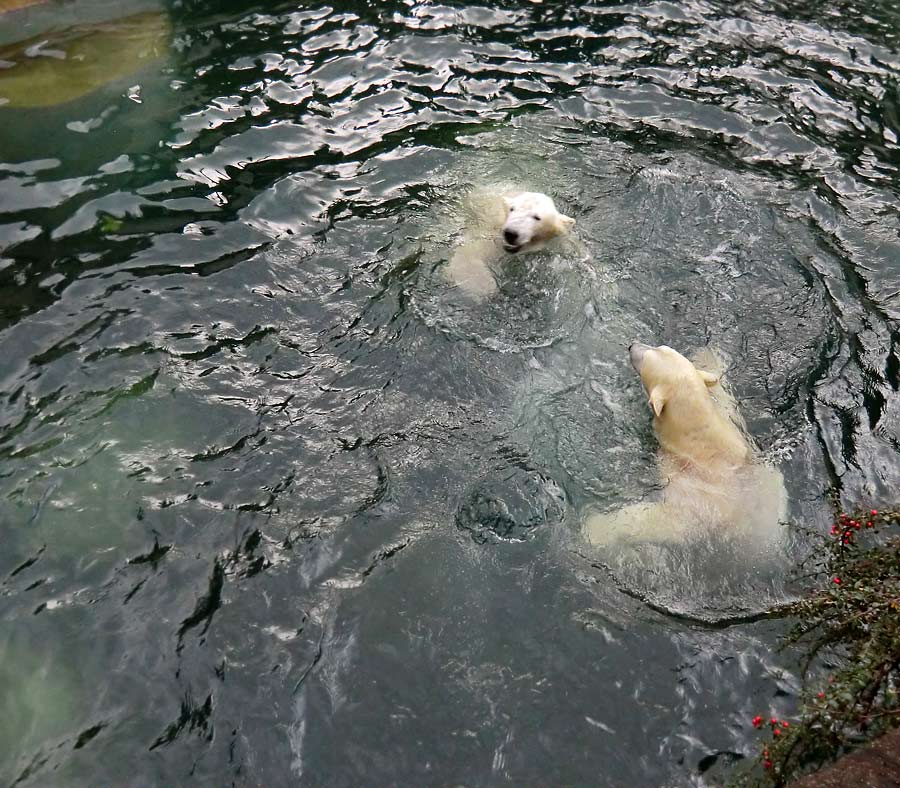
280 505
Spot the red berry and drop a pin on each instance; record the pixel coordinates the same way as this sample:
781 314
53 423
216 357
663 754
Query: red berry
837 580
785 724
776 732
821 694
767 764
757 721
874 513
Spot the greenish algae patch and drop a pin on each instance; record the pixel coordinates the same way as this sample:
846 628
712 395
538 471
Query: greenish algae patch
62 66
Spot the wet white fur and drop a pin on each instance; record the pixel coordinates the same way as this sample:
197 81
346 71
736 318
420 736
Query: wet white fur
530 218
711 476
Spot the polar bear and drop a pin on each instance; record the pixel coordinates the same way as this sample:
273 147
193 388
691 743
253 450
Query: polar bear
711 476
511 222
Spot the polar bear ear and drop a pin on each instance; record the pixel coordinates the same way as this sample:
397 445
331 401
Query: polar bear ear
657 400
563 223
708 378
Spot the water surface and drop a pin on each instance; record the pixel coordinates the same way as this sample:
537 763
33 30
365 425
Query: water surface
281 507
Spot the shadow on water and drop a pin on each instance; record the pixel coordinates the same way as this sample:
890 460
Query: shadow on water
279 504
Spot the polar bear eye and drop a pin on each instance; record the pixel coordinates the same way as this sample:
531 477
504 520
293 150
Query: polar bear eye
536 218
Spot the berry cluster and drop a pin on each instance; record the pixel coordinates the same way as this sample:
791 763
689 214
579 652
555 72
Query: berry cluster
778 727
846 527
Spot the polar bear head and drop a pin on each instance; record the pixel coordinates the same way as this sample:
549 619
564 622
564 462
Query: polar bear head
531 220
665 372
688 422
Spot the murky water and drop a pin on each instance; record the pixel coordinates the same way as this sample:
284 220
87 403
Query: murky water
280 507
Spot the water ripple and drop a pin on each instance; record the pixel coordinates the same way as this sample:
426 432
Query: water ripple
273 485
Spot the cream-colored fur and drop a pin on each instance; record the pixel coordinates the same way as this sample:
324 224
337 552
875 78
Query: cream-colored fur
511 222
711 476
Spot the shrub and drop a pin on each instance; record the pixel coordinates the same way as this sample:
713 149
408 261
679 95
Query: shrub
853 616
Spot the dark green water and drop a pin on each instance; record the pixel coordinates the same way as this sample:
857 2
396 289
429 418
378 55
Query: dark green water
280 508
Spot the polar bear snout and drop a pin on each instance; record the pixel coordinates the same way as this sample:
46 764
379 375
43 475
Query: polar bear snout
518 232
637 351
511 240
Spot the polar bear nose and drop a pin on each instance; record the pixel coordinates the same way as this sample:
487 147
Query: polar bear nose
637 350
511 237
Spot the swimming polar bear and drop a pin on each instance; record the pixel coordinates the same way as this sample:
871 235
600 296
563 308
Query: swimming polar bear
511 222
712 478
